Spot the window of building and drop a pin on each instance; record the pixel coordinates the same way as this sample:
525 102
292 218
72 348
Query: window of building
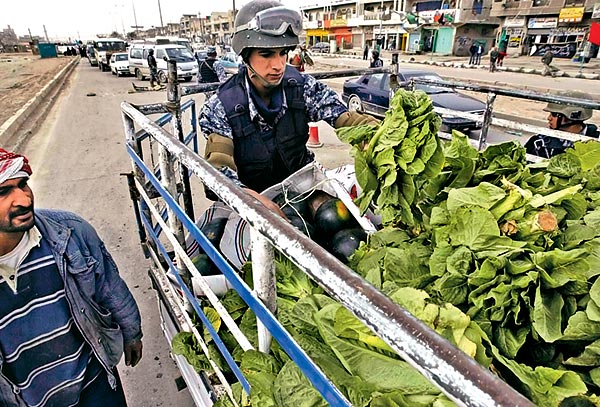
540 3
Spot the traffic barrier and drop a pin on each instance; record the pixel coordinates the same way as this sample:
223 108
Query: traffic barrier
313 136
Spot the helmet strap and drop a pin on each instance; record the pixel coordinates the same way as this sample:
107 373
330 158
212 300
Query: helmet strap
263 81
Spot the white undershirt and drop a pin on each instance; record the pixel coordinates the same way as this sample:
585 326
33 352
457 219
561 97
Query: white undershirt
10 262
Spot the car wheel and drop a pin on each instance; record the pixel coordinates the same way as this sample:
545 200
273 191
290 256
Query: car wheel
355 104
162 78
139 75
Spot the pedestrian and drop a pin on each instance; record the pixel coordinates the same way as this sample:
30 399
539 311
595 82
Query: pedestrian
502 51
478 54
375 61
301 58
547 61
257 124
472 53
211 70
366 52
493 58
66 316
153 70
565 118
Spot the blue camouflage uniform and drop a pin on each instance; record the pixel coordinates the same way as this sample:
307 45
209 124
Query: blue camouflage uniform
322 103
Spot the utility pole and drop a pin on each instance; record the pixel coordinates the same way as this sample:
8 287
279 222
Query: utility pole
161 20
234 11
134 18
46 33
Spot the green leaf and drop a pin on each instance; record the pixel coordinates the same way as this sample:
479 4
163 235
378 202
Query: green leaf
547 314
484 195
588 154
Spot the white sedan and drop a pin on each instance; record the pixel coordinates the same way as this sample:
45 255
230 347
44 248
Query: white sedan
119 63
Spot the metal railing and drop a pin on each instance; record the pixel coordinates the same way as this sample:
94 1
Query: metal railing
460 377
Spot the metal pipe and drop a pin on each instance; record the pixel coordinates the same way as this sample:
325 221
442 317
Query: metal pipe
523 94
459 376
166 165
263 275
487 119
174 106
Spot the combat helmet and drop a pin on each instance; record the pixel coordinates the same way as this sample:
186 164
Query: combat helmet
266 24
573 113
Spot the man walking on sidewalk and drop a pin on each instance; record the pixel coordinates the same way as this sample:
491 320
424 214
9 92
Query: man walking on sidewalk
493 58
547 60
472 53
479 54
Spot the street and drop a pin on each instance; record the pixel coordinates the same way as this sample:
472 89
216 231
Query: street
78 157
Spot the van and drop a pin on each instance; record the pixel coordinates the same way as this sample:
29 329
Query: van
187 66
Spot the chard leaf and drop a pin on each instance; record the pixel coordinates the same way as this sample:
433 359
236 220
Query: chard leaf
292 389
555 197
484 195
547 314
592 219
348 326
580 327
588 154
510 341
589 357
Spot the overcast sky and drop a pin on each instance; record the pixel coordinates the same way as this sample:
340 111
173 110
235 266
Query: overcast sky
84 19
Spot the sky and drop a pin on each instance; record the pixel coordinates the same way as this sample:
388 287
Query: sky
84 19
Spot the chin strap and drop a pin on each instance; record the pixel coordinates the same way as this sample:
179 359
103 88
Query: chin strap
263 81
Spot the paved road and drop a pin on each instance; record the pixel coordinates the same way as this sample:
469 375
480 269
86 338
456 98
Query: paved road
77 157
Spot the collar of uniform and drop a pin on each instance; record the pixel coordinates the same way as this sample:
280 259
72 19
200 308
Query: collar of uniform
8 270
252 107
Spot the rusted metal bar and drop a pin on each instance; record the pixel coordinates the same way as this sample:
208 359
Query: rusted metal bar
460 377
153 108
263 274
522 94
174 106
487 120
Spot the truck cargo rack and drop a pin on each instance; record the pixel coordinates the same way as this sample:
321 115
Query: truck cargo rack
167 215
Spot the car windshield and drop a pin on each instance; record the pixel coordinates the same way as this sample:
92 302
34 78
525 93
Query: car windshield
180 54
110 45
121 57
427 88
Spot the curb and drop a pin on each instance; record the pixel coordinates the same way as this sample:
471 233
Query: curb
455 64
11 126
531 71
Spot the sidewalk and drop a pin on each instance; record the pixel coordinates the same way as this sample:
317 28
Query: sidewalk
523 64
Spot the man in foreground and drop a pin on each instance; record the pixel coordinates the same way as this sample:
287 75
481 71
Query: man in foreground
66 316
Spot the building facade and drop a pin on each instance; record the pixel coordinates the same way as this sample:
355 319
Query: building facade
438 26
534 26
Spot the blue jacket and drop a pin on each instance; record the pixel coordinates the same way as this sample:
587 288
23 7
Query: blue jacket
102 306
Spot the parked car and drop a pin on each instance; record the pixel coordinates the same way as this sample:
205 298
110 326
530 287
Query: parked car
370 93
201 55
320 47
231 62
119 63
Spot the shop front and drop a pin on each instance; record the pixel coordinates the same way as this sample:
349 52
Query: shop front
391 37
339 30
563 35
316 35
513 32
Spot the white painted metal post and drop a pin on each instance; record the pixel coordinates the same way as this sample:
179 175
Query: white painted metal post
263 275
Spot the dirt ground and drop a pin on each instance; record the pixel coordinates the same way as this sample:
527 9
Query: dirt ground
22 76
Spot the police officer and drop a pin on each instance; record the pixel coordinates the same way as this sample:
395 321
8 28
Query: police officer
211 70
153 69
257 123
565 118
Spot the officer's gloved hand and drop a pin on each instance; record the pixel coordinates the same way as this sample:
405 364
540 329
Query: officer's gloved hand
355 119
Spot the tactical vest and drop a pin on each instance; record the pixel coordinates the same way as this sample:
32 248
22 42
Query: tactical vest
259 166
207 71
549 146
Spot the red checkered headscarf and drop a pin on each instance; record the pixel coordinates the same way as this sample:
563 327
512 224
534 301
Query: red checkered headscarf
13 165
